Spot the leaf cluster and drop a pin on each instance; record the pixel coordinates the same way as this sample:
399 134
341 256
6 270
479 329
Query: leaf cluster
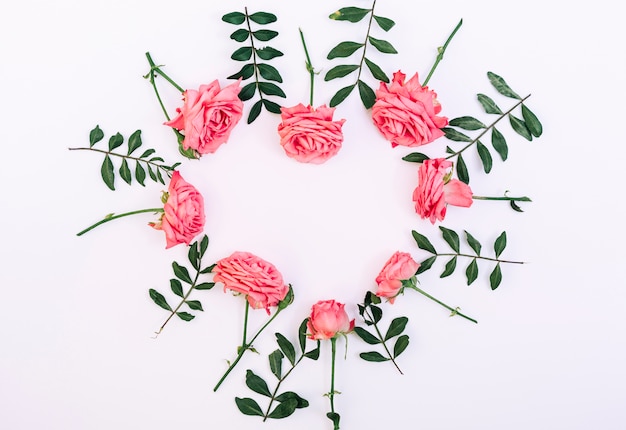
264 74
347 48
451 237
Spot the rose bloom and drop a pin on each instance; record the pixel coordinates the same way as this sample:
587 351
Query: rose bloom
310 135
328 319
248 274
406 113
398 268
183 212
208 116
434 193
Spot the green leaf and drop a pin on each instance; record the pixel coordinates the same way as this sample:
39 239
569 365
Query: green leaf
134 141
263 18
255 111
284 409
125 172
204 244
501 86
242 54
271 106
269 72
340 71
451 237
366 336
473 243
185 316
248 406
450 267
344 49
205 286
416 157
159 299
532 122
485 156
115 141
384 23
271 89
302 334
257 384
234 18
176 287
515 206
240 34
106 171
467 123
377 313
193 255
286 347
426 264
455 135
341 95
499 144
151 173
352 14
181 272
471 272
276 363
368 97
290 395
488 104
140 173
461 170
500 244
264 35
160 177
396 327
245 73
334 417
147 153
400 345
520 127
268 53
382 45
373 356
314 354
194 305
376 71
496 277
423 242
247 91
95 136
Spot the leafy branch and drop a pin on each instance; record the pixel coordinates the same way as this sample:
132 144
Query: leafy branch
288 401
181 273
256 68
471 272
347 48
145 162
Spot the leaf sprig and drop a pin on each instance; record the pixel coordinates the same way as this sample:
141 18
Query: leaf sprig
288 401
147 161
347 48
471 272
264 74
182 276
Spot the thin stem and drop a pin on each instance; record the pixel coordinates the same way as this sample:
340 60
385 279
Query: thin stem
157 69
127 157
280 381
455 311
256 69
112 217
369 26
513 199
245 324
331 395
497 260
183 300
309 67
380 336
441 50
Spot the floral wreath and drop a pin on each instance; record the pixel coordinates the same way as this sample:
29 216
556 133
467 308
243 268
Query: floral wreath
406 112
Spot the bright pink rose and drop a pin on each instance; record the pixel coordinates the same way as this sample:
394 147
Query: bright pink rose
435 190
208 116
328 319
406 113
248 274
310 135
183 212
398 268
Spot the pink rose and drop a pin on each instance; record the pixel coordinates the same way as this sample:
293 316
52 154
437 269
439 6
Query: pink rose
208 116
406 113
248 274
435 190
398 268
328 319
310 135
183 212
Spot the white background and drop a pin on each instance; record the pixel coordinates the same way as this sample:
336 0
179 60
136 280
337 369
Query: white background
76 327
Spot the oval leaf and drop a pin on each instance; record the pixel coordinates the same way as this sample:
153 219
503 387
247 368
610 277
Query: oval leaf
286 347
455 135
471 272
532 122
185 316
450 267
276 363
268 53
302 334
467 123
288 395
396 327
181 272
271 89
499 144
384 23
115 141
425 265
366 336
134 141
341 95
194 305
255 111
461 170
176 287
500 244
485 156
488 104
140 174
271 106
106 171
234 18
263 18
264 35
352 14
95 136
368 97
242 54
376 71
284 409
416 157
520 127
248 406
400 345
451 237
344 49
501 86
496 277
269 72
382 45
373 356
247 91
240 34
423 242
125 172
340 71
159 299
473 243
257 384
245 73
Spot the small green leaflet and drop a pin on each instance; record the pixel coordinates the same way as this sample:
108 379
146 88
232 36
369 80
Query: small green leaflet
496 277
500 244
95 136
352 14
423 242
159 299
248 406
501 86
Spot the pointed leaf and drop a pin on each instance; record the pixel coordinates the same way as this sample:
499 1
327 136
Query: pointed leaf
194 305
185 316
234 18
140 173
501 86
341 95
193 255
496 277
268 53
288 395
263 17
423 242
489 105
450 267
455 135
334 417
416 157
500 244
255 111
451 237
257 384
248 406
344 49
159 299
284 409
115 141
499 144
276 363
400 345
302 334
467 123
242 54
426 264
204 244
151 173
366 336
368 97
160 177
271 89
247 91
532 122
134 141
264 35
485 156
147 153
204 286
515 206
520 127
176 287
95 136
286 347
376 71
269 72
382 45
340 71
373 356
377 313
461 170
314 354
240 34
471 272
352 14
271 106
384 23
125 172
396 327
473 243
245 73
181 272
106 171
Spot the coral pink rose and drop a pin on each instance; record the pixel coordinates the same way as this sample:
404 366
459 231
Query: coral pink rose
248 274
183 212
310 135
208 116
406 113
435 190
328 319
398 268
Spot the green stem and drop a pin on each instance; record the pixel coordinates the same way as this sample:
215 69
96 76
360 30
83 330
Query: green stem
441 50
480 257
157 69
309 67
256 69
280 381
112 217
245 324
369 26
382 339
455 311
331 395
183 300
167 169
512 199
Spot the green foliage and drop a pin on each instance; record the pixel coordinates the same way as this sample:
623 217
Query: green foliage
252 54
416 157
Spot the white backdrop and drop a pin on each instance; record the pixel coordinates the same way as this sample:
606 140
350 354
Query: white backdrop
76 327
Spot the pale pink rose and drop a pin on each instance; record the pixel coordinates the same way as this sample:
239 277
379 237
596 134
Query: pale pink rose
208 116
398 268
252 276
183 212
435 190
328 319
310 135
406 113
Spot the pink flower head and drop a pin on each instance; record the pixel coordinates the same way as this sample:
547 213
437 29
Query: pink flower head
248 274
406 113
398 268
435 190
328 319
310 135
183 213
208 116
